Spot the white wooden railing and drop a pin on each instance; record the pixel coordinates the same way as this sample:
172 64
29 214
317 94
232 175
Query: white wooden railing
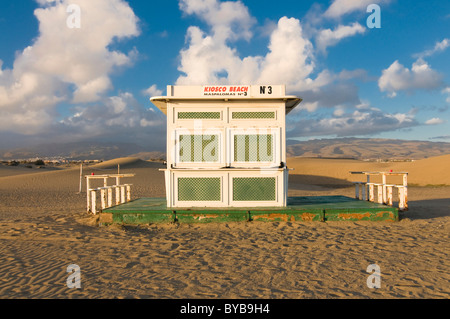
108 195
384 192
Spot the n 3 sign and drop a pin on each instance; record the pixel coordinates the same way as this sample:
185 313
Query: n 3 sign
262 89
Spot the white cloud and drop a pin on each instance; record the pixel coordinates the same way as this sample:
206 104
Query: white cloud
438 47
64 64
122 113
399 78
339 8
447 91
228 20
152 91
209 58
328 37
434 121
364 120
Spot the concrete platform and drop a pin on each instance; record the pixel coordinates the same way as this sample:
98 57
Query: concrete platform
301 209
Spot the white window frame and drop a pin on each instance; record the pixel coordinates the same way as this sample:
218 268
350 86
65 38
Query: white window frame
175 147
276 151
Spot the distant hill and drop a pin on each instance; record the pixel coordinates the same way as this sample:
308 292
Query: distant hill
370 149
74 151
356 148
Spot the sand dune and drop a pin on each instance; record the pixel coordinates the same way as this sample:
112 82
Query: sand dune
126 162
43 229
431 171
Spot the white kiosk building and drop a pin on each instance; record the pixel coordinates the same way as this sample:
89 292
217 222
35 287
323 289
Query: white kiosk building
226 145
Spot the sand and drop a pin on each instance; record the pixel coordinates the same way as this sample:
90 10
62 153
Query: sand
44 229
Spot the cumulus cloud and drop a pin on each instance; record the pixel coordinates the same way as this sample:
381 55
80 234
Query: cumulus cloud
328 37
71 65
120 115
152 91
228 20
290 60
399 78
209 58
438 47
339 8
434 121
447 91
364 120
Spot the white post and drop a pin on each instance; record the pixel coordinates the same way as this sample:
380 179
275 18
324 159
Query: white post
383 176
363 191
367 187
357 190
380 193
94 202
389 195
81 178
401 195
405 190
87 194
128 193
371 192
122 194
109 197
117 194
103 197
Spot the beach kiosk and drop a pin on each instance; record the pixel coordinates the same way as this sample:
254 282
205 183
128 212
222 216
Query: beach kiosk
226 145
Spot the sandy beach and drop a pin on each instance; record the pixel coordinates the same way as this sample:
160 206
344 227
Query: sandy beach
44 228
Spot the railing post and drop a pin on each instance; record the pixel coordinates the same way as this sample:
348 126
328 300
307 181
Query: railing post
389 199
103 197
401 195
371 192
122 194
128 192
357 190
405 191
109 196
89 209
380 193
93 201
117 194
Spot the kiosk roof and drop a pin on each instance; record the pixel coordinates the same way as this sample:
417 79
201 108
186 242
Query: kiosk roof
226 93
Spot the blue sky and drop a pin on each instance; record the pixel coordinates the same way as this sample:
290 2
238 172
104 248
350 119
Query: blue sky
93 81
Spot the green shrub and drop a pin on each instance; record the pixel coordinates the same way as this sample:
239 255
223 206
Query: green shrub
39 162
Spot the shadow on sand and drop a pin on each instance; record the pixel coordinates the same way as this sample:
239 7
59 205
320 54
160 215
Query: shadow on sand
427 209
303 182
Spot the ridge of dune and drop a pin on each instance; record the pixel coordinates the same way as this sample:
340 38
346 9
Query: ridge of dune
125 162
429 171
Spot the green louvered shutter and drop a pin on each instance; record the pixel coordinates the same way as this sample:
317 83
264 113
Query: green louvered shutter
199 148
199 115
254 189
253 148
252 115
199 189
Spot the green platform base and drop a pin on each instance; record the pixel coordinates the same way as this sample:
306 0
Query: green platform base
311 208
